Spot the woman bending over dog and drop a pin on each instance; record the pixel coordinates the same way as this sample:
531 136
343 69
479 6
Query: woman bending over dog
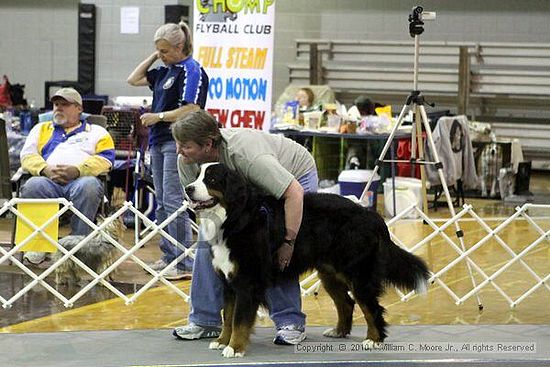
278 166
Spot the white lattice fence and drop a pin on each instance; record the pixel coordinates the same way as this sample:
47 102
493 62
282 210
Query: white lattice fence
480 248
479 254
125 253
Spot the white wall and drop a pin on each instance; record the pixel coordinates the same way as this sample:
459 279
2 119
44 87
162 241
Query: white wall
38 42
39 38
118 54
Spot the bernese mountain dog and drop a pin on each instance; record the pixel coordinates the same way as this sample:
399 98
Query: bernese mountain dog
347 244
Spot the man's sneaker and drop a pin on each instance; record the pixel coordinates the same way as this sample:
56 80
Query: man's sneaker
158 265
176 274
193 331
289 335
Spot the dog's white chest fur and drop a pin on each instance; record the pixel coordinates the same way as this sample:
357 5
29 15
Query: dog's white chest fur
220 258
211 222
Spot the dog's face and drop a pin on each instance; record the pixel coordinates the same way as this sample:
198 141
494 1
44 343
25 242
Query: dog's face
220 190
208 189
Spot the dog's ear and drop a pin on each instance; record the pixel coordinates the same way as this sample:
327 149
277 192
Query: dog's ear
236 197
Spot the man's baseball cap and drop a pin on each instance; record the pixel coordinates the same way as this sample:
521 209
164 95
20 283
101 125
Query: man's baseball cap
69 95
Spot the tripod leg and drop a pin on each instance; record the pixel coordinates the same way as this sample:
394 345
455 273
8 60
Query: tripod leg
414 139
404 111
459 232
418 122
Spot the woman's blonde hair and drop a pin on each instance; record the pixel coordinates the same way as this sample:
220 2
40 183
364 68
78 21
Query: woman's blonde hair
175 34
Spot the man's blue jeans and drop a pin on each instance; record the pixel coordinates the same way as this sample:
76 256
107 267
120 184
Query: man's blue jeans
85 193
169 196
284 300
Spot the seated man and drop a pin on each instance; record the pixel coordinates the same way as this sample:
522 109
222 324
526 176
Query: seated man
65 156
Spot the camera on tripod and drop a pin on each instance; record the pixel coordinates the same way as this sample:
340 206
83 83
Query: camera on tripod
417 18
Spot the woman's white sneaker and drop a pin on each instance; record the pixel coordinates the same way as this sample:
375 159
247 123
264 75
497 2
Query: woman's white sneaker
290 335
193 331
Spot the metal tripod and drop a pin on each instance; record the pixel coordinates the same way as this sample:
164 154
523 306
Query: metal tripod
415 102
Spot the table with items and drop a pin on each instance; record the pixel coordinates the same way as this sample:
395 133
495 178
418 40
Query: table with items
324 144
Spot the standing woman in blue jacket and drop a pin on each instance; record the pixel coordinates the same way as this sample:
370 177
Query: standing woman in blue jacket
179 86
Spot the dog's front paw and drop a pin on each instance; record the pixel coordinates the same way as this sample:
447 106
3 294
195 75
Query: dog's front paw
216 345
229 352
334 333
371 344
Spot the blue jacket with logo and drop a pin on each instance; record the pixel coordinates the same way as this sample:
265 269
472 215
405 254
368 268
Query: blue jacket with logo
174 86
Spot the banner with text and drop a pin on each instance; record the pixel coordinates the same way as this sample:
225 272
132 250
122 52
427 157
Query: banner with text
233 41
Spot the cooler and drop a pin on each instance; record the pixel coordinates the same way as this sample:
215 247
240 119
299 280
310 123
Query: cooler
352 182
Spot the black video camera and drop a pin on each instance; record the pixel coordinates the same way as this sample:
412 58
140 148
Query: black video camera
417 18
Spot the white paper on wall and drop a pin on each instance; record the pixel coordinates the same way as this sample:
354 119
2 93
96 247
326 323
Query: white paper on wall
129 20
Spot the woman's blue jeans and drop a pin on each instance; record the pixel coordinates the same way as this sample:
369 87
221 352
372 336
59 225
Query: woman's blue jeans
169 197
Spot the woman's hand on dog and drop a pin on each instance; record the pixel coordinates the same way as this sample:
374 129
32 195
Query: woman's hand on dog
284 254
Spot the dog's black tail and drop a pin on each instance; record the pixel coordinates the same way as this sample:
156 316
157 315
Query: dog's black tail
405 270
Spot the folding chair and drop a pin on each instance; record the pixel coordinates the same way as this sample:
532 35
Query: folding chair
124 125
5 182
131 140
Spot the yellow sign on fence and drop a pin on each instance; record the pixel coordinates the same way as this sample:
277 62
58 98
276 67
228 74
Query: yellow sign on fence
38 214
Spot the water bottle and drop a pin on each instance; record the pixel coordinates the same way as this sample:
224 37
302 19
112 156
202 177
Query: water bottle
26 122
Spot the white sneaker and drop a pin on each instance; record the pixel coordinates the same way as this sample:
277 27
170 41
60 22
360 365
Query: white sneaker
158 265
289 335
177 274
193 331
34 258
